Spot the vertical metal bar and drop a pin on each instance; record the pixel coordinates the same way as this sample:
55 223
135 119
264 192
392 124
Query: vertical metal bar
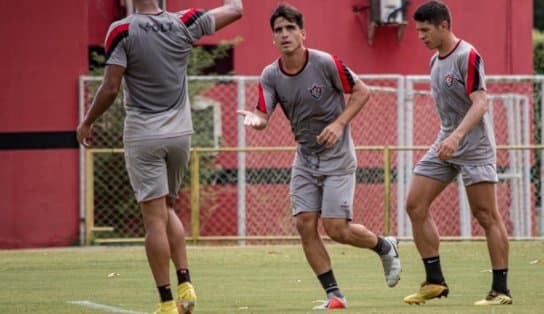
519 163
409 140
81 108
526 164
89 196
541 216
401 158
387 190
241 164
195 196
513 163
464 210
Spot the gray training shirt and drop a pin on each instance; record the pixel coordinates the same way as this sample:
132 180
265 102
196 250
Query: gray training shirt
453 78
312 99
154 51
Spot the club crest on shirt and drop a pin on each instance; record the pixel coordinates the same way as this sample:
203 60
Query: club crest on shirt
449 79
316 91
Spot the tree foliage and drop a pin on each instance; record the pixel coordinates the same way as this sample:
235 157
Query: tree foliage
200 59
538 52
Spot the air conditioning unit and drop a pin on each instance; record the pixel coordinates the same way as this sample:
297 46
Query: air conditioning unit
388 11
382 13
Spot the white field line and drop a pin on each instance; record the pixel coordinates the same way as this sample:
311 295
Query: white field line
105 308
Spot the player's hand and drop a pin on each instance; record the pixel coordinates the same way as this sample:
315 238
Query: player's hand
83 133
448 147
330 134
252 120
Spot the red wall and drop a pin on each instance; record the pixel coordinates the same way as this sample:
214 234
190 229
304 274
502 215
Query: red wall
44 50
500 30
101 14
42 56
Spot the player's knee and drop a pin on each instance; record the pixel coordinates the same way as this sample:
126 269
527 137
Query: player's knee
416 211
155 215
154 226
336 232
304 225
485 217
301 228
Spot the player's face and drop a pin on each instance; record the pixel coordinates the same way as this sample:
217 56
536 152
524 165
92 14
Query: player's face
431 35
288 37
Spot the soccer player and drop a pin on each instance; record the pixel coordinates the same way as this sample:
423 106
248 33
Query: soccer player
149 49
465 145
309 85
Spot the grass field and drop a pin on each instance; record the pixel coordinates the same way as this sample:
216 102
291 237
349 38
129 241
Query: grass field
259 279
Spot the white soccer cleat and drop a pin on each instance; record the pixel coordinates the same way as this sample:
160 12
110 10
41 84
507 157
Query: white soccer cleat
391 263
332 304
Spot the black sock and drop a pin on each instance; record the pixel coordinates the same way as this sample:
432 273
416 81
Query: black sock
329 284
183 275
382 247
433 270
499 280
165 293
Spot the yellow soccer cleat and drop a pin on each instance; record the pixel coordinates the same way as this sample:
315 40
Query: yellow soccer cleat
168 307
186 298
426 292
495 298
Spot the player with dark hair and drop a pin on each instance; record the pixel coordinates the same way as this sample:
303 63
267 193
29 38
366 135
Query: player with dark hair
309 85
464 146
149 49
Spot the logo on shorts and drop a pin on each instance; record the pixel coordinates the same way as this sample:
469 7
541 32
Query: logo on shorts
316 91
345 205
449 79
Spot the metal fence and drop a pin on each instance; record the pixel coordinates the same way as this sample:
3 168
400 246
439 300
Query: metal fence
238 185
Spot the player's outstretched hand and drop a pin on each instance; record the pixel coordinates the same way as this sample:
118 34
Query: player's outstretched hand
253 120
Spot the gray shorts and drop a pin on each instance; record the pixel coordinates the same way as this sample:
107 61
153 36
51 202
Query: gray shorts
156 167
330 195
431 166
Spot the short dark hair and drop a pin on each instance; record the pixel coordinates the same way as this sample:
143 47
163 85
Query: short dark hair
289 13
434 12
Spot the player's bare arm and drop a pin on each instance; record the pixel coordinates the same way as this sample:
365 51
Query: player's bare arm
473 116
257 120
105 96
230 11
356 101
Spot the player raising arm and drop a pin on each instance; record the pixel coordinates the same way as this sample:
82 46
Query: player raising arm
309 85
149 49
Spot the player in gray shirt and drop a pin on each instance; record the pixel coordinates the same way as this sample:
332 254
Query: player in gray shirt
464 146
149 49
309 85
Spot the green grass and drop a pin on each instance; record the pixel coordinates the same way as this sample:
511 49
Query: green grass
260 279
